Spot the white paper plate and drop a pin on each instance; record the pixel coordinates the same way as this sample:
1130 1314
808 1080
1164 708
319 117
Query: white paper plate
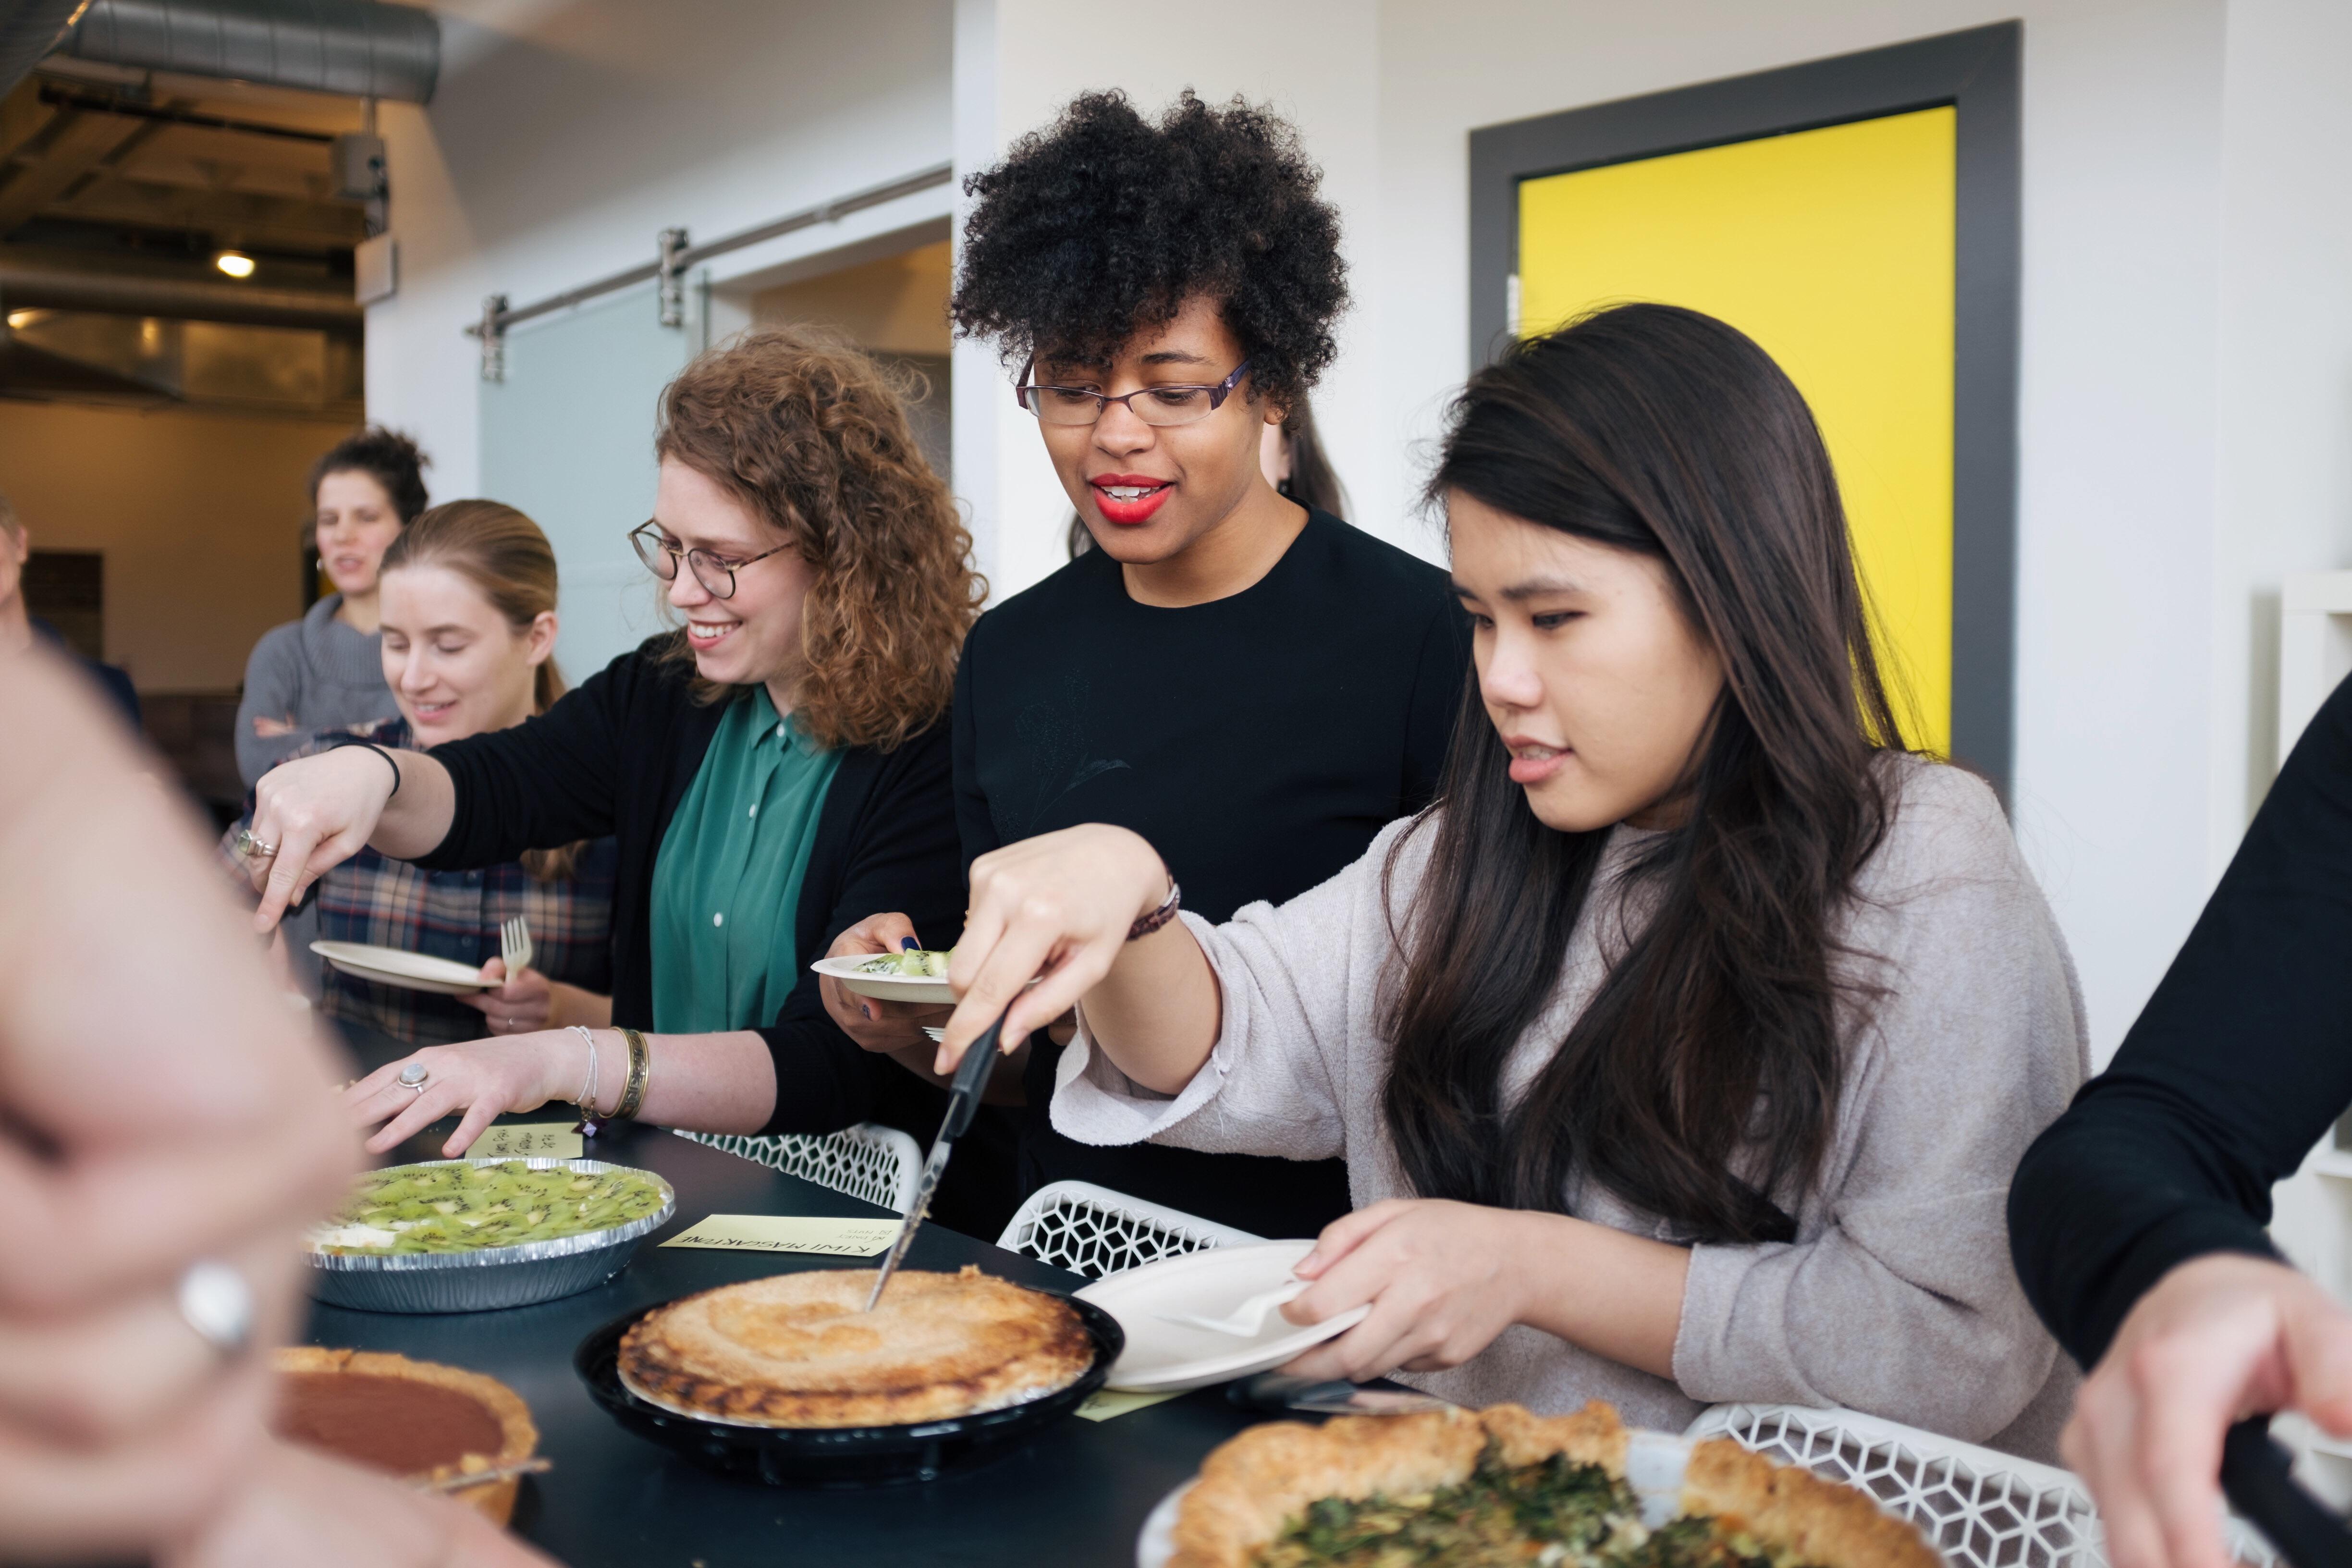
1654 1462
1157 1544
1163 1357
884 987
394 966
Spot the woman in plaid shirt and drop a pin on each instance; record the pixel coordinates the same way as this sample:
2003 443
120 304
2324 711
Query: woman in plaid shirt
469 607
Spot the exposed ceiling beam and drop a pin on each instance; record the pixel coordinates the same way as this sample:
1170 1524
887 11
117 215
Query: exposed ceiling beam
79 144
85 280
271 223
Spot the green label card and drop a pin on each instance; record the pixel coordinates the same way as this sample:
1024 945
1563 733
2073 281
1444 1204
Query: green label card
790 1233
524 1140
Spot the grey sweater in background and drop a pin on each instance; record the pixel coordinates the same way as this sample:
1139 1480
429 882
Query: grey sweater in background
1896 1298
317 672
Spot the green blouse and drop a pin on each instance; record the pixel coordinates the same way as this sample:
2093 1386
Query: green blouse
727 881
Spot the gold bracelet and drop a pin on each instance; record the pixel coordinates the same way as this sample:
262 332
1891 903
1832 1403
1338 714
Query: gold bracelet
641 1069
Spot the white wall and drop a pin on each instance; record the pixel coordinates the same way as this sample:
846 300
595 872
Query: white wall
2284 385
567 133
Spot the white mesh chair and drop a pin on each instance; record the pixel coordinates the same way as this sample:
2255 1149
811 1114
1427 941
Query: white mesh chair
880 1164
1094 1231
1981 1508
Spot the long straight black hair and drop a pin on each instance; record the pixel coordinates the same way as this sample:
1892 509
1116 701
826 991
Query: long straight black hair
1703 1078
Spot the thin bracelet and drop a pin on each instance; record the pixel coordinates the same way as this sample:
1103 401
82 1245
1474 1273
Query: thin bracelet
390 761
1146 924
585 1098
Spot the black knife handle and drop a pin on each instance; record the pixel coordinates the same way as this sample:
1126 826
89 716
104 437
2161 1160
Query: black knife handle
1274 1390
2256 1477
971 1079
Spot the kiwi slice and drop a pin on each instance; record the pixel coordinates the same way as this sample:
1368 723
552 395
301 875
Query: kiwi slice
453 1208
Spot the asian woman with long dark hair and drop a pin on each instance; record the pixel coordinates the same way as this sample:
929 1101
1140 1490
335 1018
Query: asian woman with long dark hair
1680 1052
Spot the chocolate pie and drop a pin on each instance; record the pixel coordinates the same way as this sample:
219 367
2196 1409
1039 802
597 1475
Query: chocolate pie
414 1419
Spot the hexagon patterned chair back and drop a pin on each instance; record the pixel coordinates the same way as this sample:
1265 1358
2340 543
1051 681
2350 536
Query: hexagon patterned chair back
1979 1507
1094 1231
880 1164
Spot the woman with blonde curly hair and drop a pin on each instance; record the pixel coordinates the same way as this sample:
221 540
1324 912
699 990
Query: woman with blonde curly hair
774 769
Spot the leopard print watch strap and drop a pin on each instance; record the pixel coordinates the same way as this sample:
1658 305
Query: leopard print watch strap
1145 925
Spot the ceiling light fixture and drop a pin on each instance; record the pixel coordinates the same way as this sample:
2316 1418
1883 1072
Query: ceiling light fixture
20 318
235 263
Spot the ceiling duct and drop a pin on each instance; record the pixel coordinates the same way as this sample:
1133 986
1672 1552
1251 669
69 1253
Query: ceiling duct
29 29
362 48
57 278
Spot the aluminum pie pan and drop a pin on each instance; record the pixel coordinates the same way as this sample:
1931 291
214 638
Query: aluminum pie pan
494 1277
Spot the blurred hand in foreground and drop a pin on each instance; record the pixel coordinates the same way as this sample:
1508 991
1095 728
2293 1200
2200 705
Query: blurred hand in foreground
160 1106
299 1508
2217 1339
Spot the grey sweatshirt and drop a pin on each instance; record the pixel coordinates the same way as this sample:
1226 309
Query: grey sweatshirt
1896 1298
318 670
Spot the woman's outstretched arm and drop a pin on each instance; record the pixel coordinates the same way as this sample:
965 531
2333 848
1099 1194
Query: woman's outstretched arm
1061 906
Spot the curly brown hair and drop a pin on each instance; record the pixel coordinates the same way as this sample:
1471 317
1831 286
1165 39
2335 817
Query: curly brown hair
808 431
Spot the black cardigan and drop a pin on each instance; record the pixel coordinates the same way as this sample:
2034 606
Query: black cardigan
2237 1065
615 757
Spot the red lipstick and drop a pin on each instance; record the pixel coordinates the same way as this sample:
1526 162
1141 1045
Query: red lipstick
1143 496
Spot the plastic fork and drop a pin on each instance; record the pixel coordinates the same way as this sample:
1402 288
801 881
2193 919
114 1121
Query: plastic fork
1244 1321
514 946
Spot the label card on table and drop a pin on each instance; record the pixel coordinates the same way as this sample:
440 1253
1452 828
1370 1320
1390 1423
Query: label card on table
1104 1402
527 1140
790 1233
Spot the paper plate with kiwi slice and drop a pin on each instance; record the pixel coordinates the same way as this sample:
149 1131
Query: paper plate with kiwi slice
467 1235
917 974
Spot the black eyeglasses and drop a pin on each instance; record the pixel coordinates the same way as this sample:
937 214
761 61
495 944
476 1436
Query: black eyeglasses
1161 405
661 555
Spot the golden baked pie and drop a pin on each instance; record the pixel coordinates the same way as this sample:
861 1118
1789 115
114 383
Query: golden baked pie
800 1350
416 1419
1484 1489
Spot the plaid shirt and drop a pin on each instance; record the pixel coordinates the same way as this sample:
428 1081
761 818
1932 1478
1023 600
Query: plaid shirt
454 915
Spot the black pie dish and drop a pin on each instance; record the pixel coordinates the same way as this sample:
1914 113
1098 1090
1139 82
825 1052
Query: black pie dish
839 1456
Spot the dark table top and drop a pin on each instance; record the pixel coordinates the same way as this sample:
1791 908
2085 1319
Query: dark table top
1075 1493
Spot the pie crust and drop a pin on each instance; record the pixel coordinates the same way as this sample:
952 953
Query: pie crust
800 1350
1254 1486
507 1414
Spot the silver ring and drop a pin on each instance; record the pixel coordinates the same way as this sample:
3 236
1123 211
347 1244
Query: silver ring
216 1301
246 844
414 1077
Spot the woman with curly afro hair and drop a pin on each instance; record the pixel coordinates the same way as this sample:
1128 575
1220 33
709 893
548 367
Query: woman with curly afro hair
772 769
1249 683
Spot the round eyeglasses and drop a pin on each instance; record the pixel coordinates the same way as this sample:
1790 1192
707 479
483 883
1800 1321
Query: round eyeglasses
1163 406
661 555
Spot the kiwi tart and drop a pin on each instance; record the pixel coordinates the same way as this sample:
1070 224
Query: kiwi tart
467 1206
914 964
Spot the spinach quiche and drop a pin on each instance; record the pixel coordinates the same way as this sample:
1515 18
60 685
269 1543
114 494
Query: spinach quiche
1502 1486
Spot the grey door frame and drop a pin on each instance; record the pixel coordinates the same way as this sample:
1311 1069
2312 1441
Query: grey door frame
1978 72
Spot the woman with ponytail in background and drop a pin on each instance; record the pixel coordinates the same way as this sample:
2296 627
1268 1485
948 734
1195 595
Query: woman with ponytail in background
469 595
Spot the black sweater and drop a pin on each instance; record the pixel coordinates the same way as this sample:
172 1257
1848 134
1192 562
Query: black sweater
1259 742
2235 1068
615 757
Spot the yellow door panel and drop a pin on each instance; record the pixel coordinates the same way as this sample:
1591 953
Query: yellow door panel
1833 249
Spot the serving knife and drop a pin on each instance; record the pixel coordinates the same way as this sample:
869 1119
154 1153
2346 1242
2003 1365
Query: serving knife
963 1100
1333 1396
2255 1476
